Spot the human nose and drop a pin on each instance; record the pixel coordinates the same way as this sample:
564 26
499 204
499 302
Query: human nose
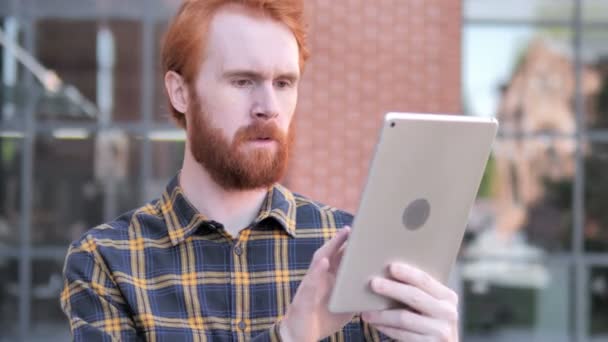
265 106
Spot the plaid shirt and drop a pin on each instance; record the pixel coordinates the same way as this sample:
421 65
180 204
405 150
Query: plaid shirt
164 272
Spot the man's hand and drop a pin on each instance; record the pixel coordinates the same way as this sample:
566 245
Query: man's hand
307 317
433 307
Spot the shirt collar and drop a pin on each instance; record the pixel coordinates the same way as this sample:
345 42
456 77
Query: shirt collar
280 205
182 218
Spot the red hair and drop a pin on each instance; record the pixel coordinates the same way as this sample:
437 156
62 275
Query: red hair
186 37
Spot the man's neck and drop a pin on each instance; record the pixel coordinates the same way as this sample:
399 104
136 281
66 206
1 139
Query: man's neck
234 209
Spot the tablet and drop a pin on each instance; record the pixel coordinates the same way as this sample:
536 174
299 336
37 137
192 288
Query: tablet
422 182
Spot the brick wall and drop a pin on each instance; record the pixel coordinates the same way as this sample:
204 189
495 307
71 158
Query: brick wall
368 57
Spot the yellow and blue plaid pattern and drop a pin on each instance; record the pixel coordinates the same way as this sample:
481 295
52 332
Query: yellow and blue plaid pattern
164 272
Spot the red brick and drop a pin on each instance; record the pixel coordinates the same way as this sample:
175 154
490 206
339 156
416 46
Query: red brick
368 57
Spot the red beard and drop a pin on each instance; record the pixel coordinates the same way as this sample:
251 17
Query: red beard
235 166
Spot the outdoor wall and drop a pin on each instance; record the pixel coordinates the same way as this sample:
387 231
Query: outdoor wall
369 57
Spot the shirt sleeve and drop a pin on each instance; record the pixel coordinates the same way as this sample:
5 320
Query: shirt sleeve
91 300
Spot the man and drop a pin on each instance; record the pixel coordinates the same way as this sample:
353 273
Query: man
227 253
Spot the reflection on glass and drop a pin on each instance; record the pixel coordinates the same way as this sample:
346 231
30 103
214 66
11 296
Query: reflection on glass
525 198
595 11
161 106
48 321
598 293
161 112
532 10
100 66
512 312
9 297
596 197
12 92
595 54
510 70
167 158
11 154
82 180
522 215
538 97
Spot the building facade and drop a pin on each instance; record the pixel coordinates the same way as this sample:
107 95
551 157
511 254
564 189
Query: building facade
85 134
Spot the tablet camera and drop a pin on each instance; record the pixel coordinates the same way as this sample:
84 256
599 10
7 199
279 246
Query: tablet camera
416 214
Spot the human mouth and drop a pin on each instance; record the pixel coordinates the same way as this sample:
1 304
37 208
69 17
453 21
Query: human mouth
262 141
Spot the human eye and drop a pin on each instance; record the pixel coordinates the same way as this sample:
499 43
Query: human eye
242 82
283 84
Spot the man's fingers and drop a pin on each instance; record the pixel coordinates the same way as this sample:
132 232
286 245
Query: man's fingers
316 275
336 259
422 280
401 335
322 265
407 320
332 246
415 298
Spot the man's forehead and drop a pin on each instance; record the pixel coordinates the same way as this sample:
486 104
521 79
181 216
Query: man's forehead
241 38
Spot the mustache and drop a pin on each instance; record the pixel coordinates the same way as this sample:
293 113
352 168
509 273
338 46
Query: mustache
260 130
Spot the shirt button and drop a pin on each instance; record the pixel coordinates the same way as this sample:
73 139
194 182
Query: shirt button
237 250
215 225
242 325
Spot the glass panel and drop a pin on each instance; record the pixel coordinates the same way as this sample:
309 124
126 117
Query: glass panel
595 77
13 95
161 106
162 113
80 181
127 73
11 155
85 8
100 66
598 291
167 8
596 197
529 302
595 10
536 10
521 75
522 215
167 159
513 290
48 322
9 298
524 205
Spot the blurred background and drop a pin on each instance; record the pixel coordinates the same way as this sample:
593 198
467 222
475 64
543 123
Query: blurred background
85 135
